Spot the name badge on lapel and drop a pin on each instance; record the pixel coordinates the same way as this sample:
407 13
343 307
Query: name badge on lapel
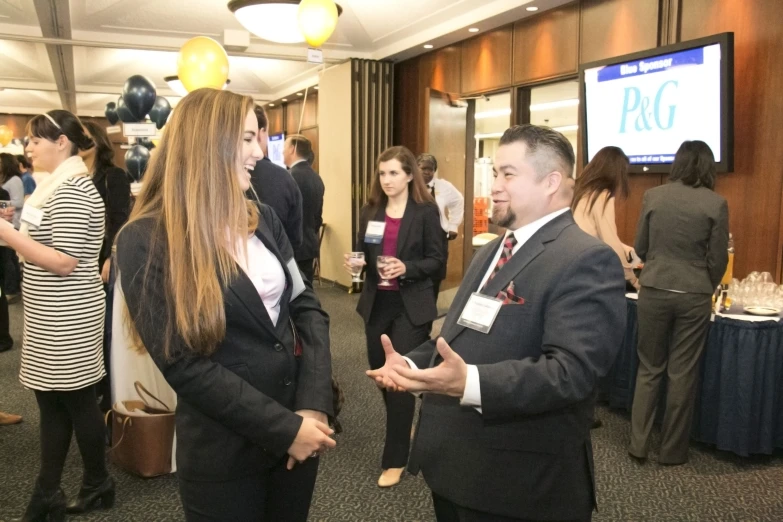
296 279
480 312
32 216
374 233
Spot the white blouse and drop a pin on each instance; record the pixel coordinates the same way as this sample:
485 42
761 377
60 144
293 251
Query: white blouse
266 273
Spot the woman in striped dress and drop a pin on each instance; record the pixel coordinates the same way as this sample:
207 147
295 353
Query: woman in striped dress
60 239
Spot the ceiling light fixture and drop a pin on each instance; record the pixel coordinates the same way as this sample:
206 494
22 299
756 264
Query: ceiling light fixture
176 85
285 99
473 30
554 105
271 104
428 46
532 8
273 20
300 94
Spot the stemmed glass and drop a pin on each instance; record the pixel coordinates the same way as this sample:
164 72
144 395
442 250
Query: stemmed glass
382 262
357 264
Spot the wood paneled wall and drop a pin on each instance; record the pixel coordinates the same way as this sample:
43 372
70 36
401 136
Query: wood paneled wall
549 46
286 119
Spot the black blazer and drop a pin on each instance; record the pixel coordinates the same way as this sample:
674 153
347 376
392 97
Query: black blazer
312 188
420 246
235 410
275 187
113 185
528 455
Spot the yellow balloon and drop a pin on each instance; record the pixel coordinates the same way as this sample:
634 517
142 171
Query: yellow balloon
6 135
317 20
202 62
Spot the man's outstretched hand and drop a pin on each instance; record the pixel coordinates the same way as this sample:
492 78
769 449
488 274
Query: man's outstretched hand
381 376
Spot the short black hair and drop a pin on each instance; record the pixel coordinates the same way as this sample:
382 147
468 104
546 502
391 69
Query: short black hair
263 121
428 158
694 165
302 146
65 124
551 149
23 161
9 167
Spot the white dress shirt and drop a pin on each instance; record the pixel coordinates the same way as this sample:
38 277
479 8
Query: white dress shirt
266 273
448 198
472 394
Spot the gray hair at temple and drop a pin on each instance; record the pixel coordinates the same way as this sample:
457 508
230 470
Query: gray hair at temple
427 158
547 149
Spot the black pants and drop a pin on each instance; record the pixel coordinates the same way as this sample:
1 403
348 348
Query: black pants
62 414
388 317
672 332
306 267
272 495
6 342
448 511
12 278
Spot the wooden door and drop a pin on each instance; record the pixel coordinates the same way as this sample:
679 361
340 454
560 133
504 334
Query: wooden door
445 139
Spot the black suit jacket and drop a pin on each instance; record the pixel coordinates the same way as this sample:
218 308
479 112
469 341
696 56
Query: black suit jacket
113 184
275 187
420 246
235 411
528 455
312 188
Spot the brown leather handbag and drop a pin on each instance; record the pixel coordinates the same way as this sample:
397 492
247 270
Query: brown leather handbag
142 435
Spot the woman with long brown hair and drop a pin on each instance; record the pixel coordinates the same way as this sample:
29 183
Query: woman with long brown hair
214 294
601 181
401 223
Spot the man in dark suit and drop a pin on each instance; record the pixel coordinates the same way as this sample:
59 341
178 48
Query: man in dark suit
297 155
275 186
504 431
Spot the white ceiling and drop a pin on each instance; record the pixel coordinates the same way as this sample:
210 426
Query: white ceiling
113 39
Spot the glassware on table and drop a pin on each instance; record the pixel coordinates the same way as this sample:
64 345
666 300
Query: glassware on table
382 262
357 264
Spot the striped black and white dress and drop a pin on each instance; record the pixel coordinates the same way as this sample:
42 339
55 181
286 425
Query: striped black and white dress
62 348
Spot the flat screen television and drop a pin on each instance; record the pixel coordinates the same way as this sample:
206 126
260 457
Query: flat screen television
274 149
648 103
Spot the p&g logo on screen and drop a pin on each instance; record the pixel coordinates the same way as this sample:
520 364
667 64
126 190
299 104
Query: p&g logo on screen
660 115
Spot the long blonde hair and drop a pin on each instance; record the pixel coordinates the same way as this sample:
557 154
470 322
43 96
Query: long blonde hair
191 190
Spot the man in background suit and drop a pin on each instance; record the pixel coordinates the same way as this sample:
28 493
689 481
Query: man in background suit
275 186
504 431
297 154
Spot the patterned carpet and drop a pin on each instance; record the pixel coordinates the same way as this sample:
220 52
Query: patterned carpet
715 486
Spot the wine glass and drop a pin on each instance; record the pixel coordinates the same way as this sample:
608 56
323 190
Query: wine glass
357 264
382 262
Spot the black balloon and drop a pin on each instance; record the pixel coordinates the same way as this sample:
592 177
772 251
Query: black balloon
124 113
111 113
136 161
160 111
139 95
145 142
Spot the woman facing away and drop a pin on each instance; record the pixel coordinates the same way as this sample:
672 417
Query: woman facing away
214 295
604 178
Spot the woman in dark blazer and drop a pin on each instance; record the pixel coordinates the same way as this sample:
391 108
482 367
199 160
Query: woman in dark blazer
682 237
402 208
214 295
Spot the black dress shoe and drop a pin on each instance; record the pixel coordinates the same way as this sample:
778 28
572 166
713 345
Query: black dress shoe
90 497
596 424
44 507
638 460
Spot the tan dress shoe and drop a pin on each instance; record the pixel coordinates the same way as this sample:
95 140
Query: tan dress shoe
390 477
8 419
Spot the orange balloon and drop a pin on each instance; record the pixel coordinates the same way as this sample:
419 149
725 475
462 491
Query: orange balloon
202 62
6 135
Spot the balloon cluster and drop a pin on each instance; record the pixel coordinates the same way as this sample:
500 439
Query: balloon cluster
138 100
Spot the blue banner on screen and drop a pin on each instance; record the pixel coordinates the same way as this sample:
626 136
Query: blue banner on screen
275 149
648 107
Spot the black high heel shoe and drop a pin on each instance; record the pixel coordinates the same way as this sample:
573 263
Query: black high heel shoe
44 507
89 497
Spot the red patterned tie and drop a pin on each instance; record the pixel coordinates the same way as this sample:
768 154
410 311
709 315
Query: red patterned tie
508 251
